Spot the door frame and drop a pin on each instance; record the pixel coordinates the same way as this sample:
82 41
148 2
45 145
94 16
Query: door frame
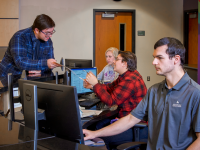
114 10
186 30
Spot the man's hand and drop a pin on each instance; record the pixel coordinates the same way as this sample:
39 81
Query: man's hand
87 85
34 72
51 63
34 75
91 79
89 134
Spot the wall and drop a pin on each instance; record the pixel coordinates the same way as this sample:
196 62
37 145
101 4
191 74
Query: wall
190 4
74 26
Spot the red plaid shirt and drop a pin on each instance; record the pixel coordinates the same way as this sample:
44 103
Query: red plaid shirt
126 91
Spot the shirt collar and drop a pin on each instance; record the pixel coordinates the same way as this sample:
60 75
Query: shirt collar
33 35
178 86
124 74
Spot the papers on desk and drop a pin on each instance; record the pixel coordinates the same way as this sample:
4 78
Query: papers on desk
81 99
15 91
86 113
17 105
95 142
89 142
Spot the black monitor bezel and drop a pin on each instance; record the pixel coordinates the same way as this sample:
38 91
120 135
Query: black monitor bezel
85 93
65 131
82 65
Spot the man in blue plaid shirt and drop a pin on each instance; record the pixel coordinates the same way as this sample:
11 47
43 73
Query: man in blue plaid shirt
30 49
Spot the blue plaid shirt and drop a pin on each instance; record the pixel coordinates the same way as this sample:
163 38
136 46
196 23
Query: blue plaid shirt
21 54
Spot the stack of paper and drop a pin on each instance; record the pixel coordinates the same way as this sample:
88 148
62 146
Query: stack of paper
86 113
95 142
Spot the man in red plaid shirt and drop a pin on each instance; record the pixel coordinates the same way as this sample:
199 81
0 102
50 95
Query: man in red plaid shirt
126 92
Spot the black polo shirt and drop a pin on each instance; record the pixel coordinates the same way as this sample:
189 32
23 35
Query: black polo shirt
173 114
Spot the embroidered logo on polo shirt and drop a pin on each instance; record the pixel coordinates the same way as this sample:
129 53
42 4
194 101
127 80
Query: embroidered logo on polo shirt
177 104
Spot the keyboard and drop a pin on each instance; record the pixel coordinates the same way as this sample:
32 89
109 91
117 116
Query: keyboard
89 102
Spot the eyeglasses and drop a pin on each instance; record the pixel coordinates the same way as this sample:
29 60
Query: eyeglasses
118 59
49 33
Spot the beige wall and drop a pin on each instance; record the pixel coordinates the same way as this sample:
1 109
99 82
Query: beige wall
9 9
74 26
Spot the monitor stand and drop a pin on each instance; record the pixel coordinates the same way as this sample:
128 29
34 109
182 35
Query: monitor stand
30 106
66 78
10 97
9 101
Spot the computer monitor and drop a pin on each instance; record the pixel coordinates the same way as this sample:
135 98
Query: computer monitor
75 73
61 106
78 63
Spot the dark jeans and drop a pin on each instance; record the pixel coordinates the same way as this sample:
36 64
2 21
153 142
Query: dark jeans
115 140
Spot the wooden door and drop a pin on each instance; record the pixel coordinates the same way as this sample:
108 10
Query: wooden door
107 34
193 39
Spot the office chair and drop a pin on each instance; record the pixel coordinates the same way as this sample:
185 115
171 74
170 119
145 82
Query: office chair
138 142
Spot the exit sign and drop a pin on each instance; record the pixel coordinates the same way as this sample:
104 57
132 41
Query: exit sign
141 33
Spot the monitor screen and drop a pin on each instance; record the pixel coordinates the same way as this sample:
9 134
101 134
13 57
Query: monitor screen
61 106
78 63
77 82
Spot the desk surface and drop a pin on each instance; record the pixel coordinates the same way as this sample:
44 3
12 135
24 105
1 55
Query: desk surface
49 144
15 133
21 137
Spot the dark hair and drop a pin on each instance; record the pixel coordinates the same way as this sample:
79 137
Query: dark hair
175 47
130 58
43 22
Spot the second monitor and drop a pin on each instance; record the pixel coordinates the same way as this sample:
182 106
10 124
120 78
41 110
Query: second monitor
60 103
77 82
78 63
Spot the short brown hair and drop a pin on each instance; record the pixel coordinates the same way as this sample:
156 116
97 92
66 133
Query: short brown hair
175 47
130 58
43 22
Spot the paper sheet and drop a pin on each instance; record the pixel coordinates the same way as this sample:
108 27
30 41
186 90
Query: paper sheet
86 113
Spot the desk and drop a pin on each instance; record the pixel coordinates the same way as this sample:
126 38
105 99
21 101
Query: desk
21 137
59 128
15 133
49 144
